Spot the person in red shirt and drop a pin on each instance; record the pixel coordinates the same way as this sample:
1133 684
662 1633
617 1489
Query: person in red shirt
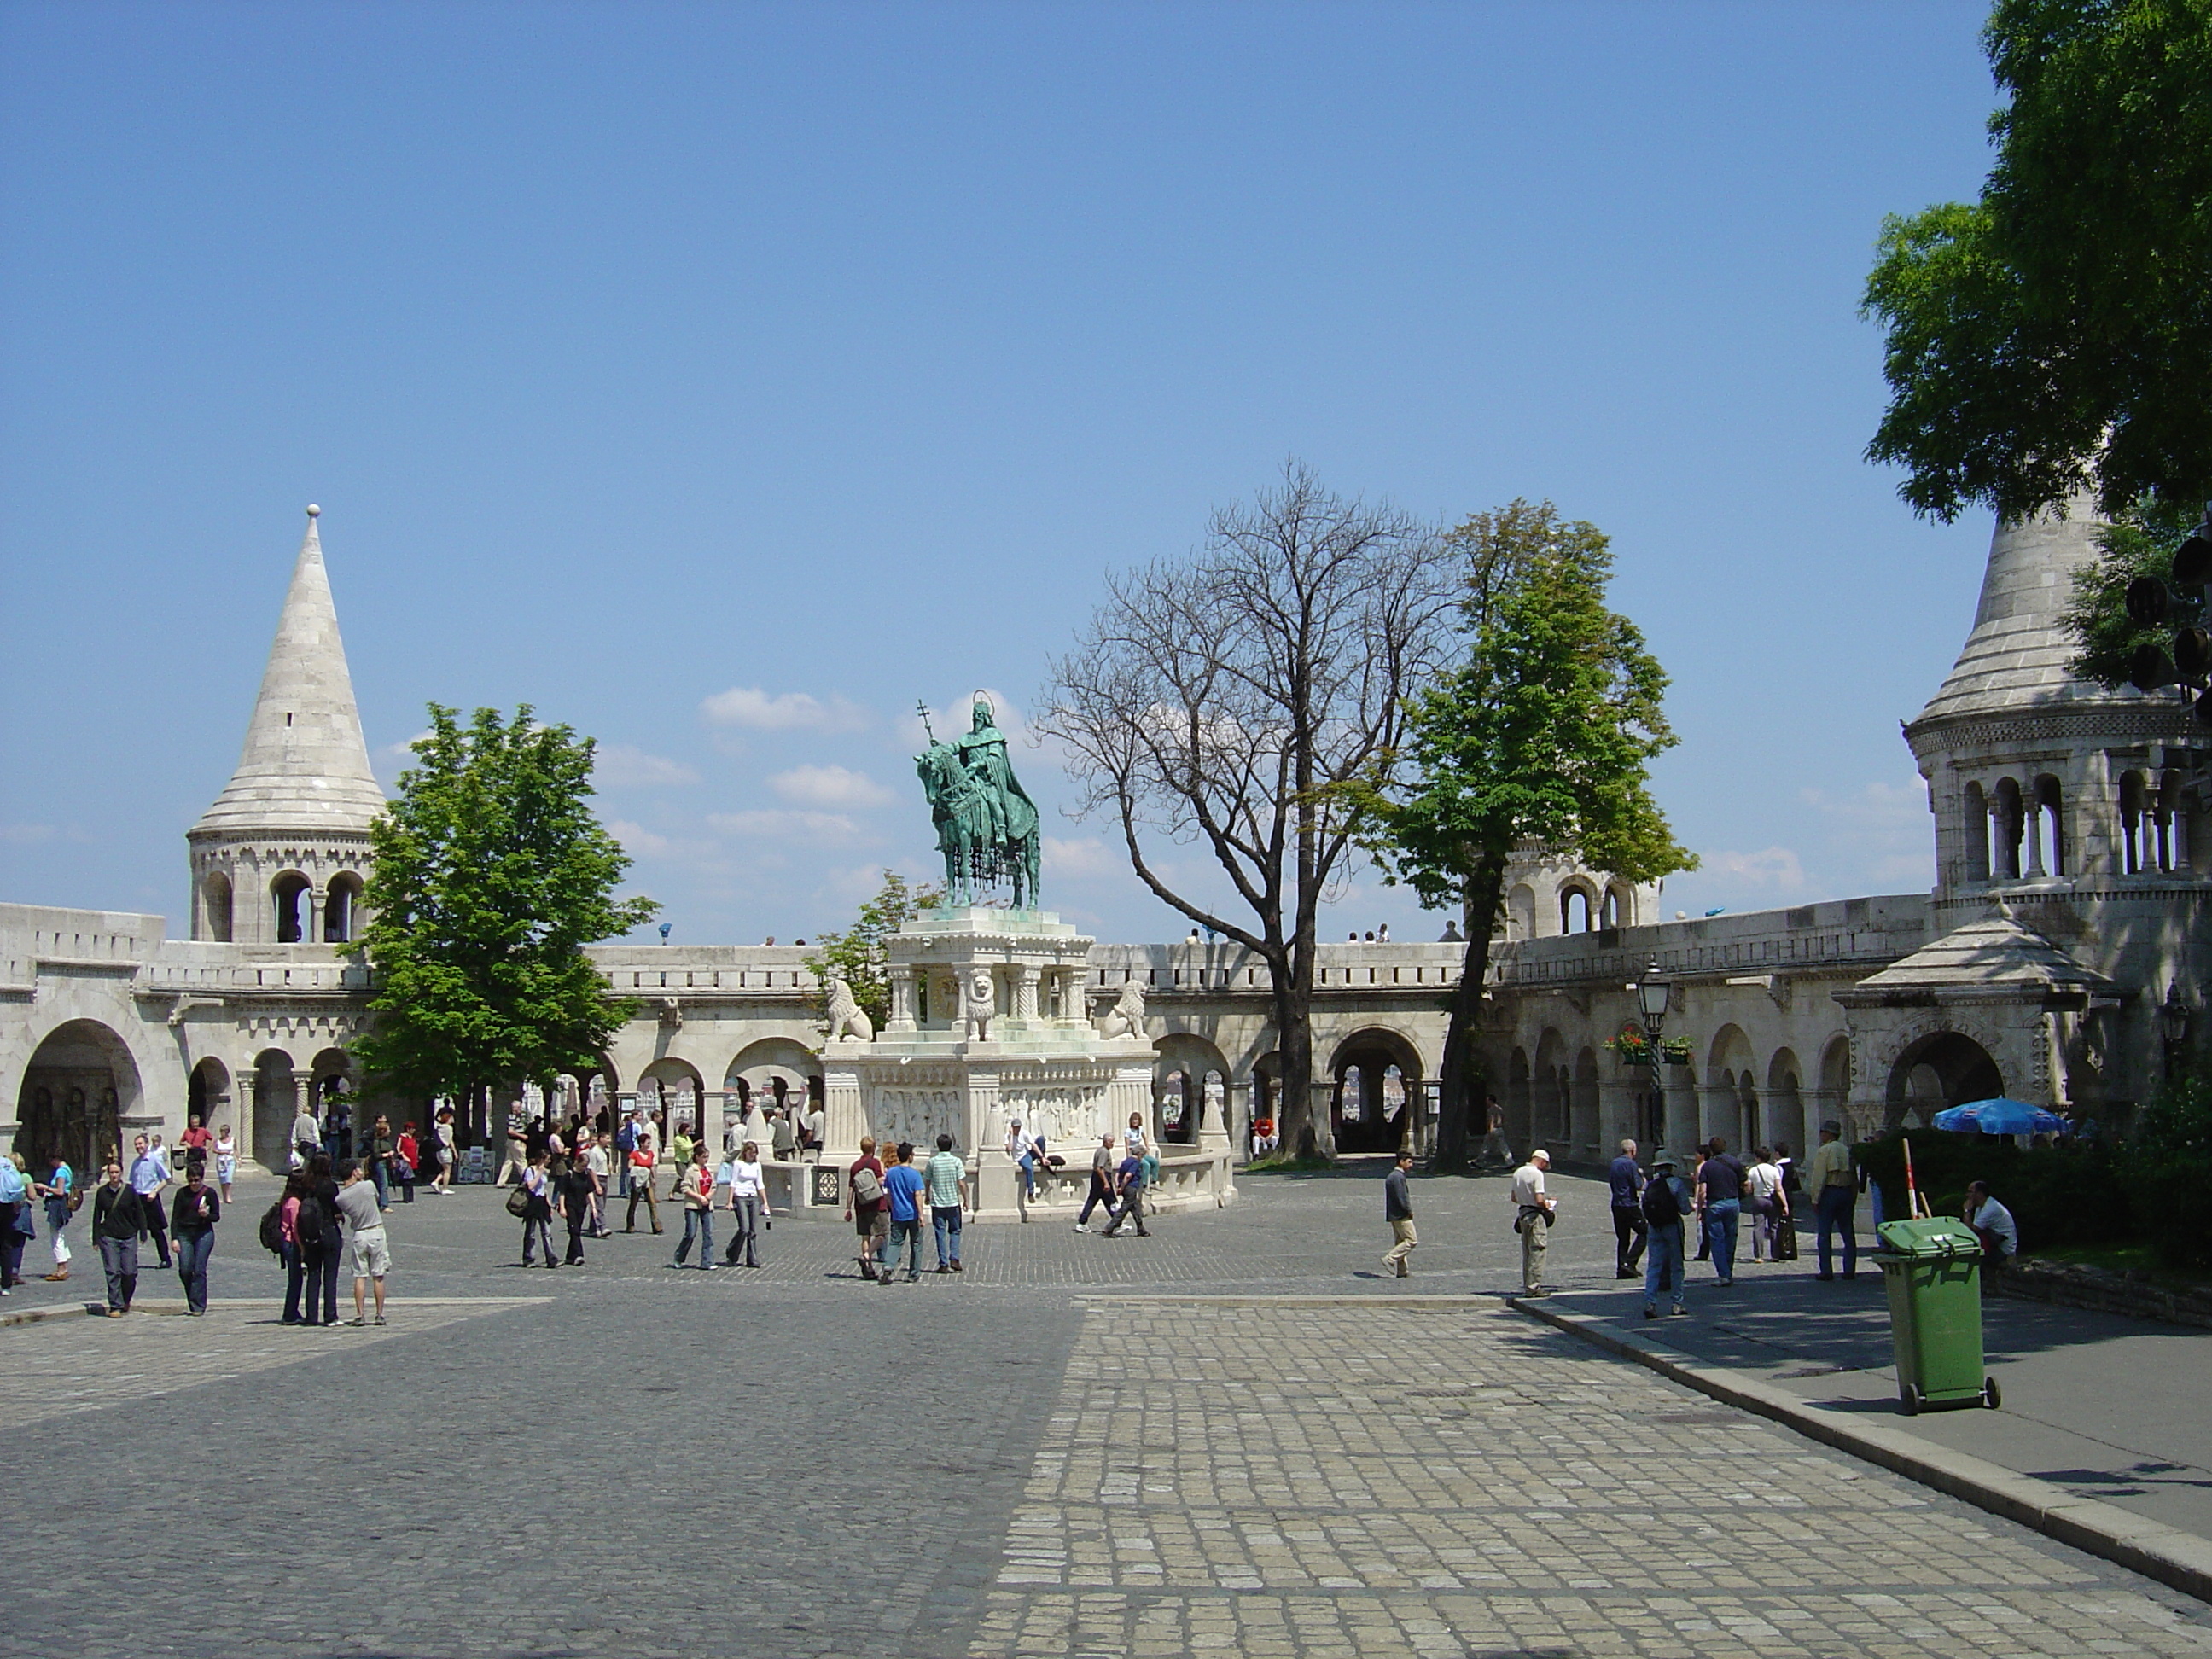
410 1161
196 1139
868 1208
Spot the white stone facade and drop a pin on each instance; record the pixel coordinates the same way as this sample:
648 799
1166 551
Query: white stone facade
2067 907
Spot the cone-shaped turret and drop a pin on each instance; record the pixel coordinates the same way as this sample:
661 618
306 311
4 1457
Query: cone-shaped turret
305 766
2016 657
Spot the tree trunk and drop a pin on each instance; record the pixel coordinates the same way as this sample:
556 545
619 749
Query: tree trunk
1456 1108
1294 1119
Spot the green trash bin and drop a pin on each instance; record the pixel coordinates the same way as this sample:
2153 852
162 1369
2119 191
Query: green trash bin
1933 1273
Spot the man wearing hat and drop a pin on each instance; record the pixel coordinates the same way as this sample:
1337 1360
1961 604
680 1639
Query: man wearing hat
1532 1218
1834 1184
1663 1204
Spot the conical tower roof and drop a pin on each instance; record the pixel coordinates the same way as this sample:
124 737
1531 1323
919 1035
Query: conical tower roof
305 765
2016 657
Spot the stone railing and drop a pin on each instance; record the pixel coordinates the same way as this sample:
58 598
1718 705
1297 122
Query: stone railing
1847 933
1200 1178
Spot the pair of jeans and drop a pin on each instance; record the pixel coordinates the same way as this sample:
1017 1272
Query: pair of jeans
744 1230
1766 1220
119 1258
193 1250
536 1236
1628 1230
1837 1203
1100 1193
944 1221
1662 1269
1722 1219
1028 1162
909 1235
699 1222
382 1177
11 1251
323 1287
296 1278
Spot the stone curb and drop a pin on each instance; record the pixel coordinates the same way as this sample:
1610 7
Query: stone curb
2181 1560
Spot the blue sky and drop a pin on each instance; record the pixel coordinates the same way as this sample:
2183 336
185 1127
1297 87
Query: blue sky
722 379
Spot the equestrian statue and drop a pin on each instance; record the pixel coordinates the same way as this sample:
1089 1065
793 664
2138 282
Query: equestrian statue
987 824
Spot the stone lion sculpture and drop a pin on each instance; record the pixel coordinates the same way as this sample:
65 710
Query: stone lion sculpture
982 1002
847 1017
1125 1018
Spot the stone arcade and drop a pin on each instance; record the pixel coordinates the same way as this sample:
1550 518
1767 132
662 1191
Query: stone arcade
2066 910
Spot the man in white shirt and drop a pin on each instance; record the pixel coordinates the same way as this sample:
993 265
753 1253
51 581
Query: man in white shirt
600 1167
1533 1209
1992 1224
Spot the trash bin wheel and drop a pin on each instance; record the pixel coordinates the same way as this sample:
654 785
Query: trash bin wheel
1992 1396
1911 1398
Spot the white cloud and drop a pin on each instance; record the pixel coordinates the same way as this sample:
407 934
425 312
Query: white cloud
772 825
1777 867
829 787
1081 860
750 707
619 766
638 841
23 834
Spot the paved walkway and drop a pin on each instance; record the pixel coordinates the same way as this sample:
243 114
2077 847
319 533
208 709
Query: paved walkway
2094 1404
1233 1436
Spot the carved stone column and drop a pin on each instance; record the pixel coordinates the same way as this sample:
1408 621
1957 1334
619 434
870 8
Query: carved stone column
1025 991
902 1017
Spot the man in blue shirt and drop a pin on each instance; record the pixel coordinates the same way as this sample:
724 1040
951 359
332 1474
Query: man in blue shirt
149 1174
1130 1182
903 1186
1628 1224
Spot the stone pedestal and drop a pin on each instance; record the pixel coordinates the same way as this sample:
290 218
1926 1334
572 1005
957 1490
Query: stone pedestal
987 1024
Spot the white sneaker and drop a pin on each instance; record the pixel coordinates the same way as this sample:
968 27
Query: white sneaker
1080 1228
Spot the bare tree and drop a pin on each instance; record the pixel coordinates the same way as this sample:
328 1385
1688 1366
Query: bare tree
1218 698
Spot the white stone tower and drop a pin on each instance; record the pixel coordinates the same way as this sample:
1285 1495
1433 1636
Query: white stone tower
279 859
2069 900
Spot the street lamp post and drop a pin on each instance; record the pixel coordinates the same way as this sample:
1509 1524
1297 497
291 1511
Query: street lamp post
2173 1024
1653 992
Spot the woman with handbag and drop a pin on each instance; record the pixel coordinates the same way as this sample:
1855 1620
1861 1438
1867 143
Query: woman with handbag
532 1203
58 1193
406 1158
1770 1204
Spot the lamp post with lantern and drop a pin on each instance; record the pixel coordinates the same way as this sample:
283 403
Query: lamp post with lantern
2174 1026
1653 993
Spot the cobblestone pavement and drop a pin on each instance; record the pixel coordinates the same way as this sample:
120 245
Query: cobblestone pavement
1037 1457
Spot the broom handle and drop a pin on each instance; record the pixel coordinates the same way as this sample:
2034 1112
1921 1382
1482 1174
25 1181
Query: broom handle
1912 1205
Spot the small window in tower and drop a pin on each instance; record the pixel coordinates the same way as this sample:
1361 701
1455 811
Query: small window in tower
287 720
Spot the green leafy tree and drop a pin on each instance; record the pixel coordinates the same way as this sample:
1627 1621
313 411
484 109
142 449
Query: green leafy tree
2139 542
2057 335
1542 733
858 954
2166 1161
491 874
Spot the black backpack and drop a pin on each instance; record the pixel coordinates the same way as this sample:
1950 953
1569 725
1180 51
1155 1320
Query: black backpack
1661 1207
272 1229
311 1225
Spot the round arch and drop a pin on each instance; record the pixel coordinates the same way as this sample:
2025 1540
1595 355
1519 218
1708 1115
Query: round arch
1784 1119
1940 1070
275 1104
287 902
207 1094
341 909
1378 1073
1188 1062
1517 1101
80 1085
1579 905
664 1086
1583 1109
1549 1091
774 1069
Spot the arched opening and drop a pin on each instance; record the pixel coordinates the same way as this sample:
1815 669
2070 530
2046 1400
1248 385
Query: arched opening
1266 1103
1785 1109
207 1094
674 1095
1577 914
2133 822
215 907
1974 831
1518 1102
1942 1069
275 1104
2171 818
1619 905
1180 1079
1582 1121
1547 1112
1375 1074
288 893
342 909
2047 844
72 1098
2006 823
774 1074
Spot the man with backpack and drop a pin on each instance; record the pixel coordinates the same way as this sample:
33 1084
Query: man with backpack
1663 1207
867 1207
